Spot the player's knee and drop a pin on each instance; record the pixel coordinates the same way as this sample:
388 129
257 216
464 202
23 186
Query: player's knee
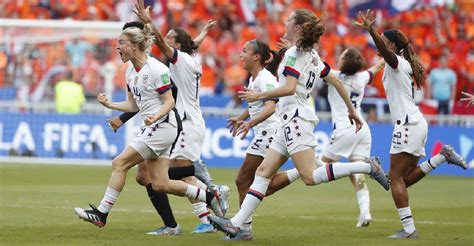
160 186
141 180
190 180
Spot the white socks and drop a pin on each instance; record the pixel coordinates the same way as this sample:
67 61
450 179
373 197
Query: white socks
406 219
432 163
363 199
200 209
293 175
109 200
337 170
253 198
194 192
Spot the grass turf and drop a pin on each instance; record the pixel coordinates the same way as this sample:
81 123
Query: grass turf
37 201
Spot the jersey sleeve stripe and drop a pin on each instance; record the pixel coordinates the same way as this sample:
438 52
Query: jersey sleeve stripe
325 71
175 56
291 72
164 88
270 99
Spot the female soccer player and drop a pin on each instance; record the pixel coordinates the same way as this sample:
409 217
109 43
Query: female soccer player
295 137
186 73
410 127
345 142
255 56
148 83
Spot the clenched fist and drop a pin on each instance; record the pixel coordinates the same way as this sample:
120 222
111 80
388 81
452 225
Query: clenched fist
102 99
150 120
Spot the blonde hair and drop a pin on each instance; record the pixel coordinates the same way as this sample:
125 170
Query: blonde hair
143 38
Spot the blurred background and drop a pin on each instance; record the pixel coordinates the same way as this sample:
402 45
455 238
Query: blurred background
57 55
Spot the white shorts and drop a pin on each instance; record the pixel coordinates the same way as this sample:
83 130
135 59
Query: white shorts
154 142
410 138
294 136
189 143
260 143
346 143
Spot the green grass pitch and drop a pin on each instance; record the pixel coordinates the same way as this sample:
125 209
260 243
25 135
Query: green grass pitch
37 201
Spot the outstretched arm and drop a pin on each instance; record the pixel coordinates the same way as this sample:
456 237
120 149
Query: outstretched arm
144 15
368 20
377 67
198 40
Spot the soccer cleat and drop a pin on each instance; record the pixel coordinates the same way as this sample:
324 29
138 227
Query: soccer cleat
452 157
204 228
201 172
377 173
216 205
404 234
166 231
364 220
224 192
241 236
92 215
224 225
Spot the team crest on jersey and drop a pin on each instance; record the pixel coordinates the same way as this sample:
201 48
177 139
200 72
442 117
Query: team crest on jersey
136 80
145 78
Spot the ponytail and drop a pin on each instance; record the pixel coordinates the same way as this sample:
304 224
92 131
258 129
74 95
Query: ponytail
415 63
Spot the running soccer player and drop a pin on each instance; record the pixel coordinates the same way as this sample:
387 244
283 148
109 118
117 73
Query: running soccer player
295 138
402 70
148 83
186 73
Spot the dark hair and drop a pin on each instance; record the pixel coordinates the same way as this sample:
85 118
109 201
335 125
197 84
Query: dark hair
273 64
404 48
311 28
133 24
262 49
352 62
184 39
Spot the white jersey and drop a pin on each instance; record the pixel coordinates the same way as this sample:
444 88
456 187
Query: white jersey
355 86
400 90
153 78
186 74
306 66
264 81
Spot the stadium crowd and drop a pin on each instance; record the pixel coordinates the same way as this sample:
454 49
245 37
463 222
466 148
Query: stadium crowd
443 36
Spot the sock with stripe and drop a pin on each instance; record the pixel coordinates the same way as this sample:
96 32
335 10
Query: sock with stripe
337 170
196 193
110 197
200 210
162 206
432 163
253 198
293 175
406 219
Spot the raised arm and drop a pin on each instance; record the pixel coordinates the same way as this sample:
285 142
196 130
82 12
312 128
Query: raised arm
144 15
368 20
353 118
198 40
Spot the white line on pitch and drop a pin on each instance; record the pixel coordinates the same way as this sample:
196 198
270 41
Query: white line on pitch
280 216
